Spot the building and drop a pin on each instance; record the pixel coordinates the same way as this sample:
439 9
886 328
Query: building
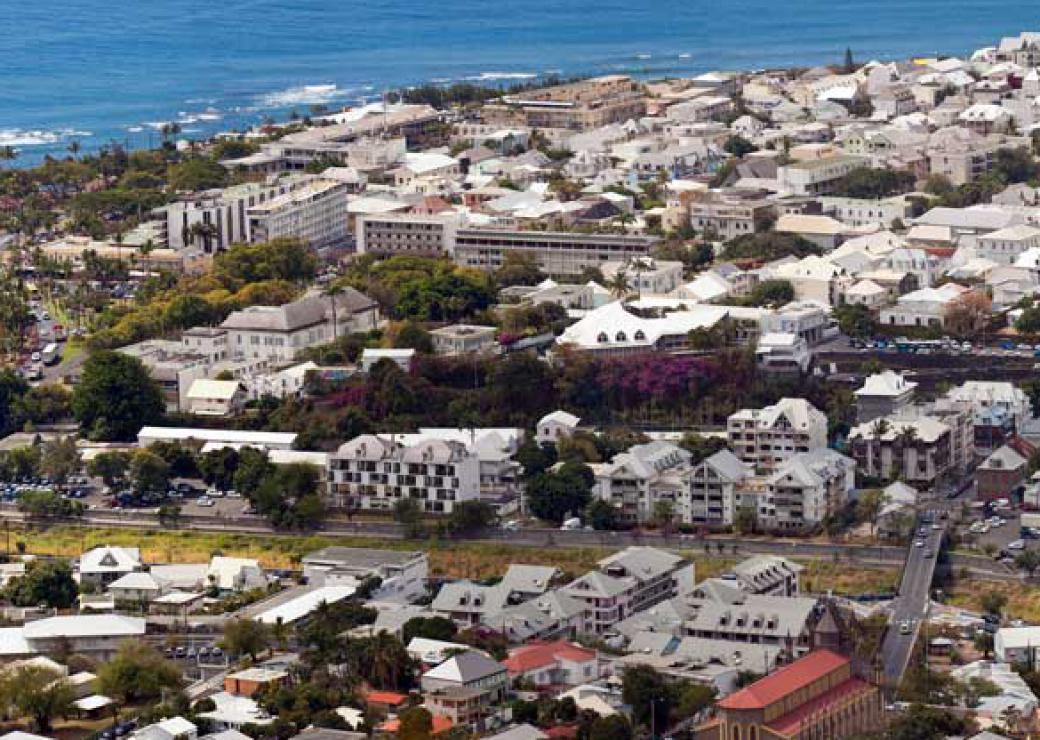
463 339
636 481
370 357
278 333
559 254
883 394
216 397
998 408
402 573
816 176
552 664
1001 473
646 275
919 450
252 681
768 575
783 353
578 106
816 696
97 636
767 437
223 437
465 687
927 307
1017 645
555 426
389 234
806 489
727 216
725 613
315 213
373 473
616 329
713 492
1005 245
103 565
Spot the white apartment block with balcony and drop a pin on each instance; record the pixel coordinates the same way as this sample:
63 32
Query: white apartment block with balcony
315 213
816 176
374 473
406 233
805 489
646 275
633 482
713 494
767 437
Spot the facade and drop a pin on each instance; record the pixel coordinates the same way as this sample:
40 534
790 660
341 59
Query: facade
277 333
635 481
646 275
816 696
883 394
767 437
1000 474
726 216
463 339
713 490
402 574
816 176
919 450
405 233
806 489
315 213
577 106
373 473
554 426
783 353
552 664
558 254
1005 245
216 397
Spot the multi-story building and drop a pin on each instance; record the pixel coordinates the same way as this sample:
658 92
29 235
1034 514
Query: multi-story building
373 473
279 332
315 213
768 575
558 254
816 176
998 410
402 573
635 481
767 437
406 233
858 212
805 489
646 275
712 492
578 106
883 394
920 450
726 216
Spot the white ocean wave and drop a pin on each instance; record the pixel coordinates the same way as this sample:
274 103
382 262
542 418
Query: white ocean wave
38 137
491 76
684 56
135 129
644 56
303 95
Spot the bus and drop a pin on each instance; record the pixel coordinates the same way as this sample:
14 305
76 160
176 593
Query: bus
51 354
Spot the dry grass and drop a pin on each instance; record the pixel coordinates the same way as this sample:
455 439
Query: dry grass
821 576
1023 601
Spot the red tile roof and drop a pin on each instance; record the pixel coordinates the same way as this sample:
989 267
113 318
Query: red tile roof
789 723
790 678
440 724
539 655
392 698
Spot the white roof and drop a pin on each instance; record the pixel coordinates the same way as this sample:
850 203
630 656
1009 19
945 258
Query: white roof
797 223
422 162
620 328
84 625
865 288
560 417
13 642
106 559
222 390
149 434
92 702
236 710
19 735
886 383
137 580
224 571
302 605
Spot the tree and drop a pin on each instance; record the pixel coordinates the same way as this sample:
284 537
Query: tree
618 284
663 514
519 268
745 521
111 467
612 727
870 505
968 314
137 673
413 336
601 515
246 637
115 397
471 516
39 693
774 293
701 448
197 173
48 504
251 470
552 496
874 184
855 320
993 602
738 146
285 259
59 459
535 458
432 628
650 695
768 246
925 723
848 66
46 582
694 698
408 513
289 497
149 473
416 723
1029 561
218 467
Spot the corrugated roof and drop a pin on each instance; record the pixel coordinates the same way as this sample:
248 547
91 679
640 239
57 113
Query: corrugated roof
789 679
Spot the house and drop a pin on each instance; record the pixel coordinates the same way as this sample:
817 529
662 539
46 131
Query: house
1017 645
999 409
783 353
234 575
555 426
867 293
433 652
645 275
1001 473
767 437
557 663
550 616
174 728
883 394
401 357
768 575
818 695
97 636
918 450
927 307
251 681
467 603
723 612
297 604
465 687
136 587
1005 245
216 397
232 712
463 339
223 437
528 581
402 573
103 565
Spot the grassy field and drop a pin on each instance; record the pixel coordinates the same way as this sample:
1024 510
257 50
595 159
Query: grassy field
475 560
1023 601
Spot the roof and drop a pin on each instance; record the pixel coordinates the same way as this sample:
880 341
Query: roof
221 390
535 656
300 313
299 607
465 668
519 732
440 724
797 223
789 679
560 417
137 580
107 559
613 325
84 625
391 698
886 383
788 724
283 439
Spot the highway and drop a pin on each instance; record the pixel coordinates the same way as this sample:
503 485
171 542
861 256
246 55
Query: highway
911 605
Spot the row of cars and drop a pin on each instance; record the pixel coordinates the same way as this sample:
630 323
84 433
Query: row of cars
189 653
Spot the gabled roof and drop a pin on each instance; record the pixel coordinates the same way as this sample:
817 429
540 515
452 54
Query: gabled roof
544 655
786 681
106 559
465 668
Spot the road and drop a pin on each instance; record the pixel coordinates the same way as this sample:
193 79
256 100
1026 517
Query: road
911 604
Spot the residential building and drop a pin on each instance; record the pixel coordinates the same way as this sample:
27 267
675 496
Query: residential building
726 215
389 234
723 612
465 687
216 397
552 664
998 408
645 275
1001 473
555 426
402 573
883 394
278 333
927 307
917 450
806 489
616 329
373 473
96 636
1017 645
370 357
103 565
713 490
767 437
767 575
816 176
223 437
251 681
783 353
553 615
315 213
463 339
559 254
1003 246
636 481
578 106
818 695
860 212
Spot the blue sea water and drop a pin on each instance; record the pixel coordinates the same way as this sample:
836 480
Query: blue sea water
95 71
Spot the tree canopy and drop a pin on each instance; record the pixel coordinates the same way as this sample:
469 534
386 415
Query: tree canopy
115 397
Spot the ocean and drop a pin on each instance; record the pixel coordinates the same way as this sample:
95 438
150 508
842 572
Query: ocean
94 72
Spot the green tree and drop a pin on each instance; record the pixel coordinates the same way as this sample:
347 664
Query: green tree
416 724
251 470
246 637
848 66
197 173
519 268
218 467
46 582
137 673
149 473
111 466
279 259
289 497
774 293
694 698
869 506
602 516
408 512
745 521
855 320
413 336
48 505
993 602
115 397
432 628
60 459
647 691
738 146
612 727
39 693
469 517
769 246
552 496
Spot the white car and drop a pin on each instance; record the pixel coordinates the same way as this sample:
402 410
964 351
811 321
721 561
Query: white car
919 543
1017 545
205 502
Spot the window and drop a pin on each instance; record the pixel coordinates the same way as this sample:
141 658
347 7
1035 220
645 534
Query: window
620 337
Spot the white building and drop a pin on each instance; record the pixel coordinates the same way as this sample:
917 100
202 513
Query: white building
554 426
925 307
402 573
646 275
374 473
216 397
816 176
883 394
805 489
635 481
785 353
1005 245
315 213
713 490
767 437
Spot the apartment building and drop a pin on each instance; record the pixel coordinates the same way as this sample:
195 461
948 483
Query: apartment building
277 333
727 216
646 275
713 490
920 451
1005 245
805 489
578 106
859 212
767 437
559 254
634 481
816 176
883 394
390 234
315 213
374 473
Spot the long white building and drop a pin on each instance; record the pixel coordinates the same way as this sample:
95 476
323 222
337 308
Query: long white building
315 213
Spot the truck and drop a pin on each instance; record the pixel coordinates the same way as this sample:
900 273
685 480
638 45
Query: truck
51 354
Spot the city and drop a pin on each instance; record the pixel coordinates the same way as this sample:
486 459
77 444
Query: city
602 408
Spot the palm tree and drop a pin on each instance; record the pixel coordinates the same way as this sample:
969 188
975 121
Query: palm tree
74 147
878 431
331 292
618 284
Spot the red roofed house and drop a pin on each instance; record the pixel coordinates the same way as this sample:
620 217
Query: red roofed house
556 663
816 696
440 724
